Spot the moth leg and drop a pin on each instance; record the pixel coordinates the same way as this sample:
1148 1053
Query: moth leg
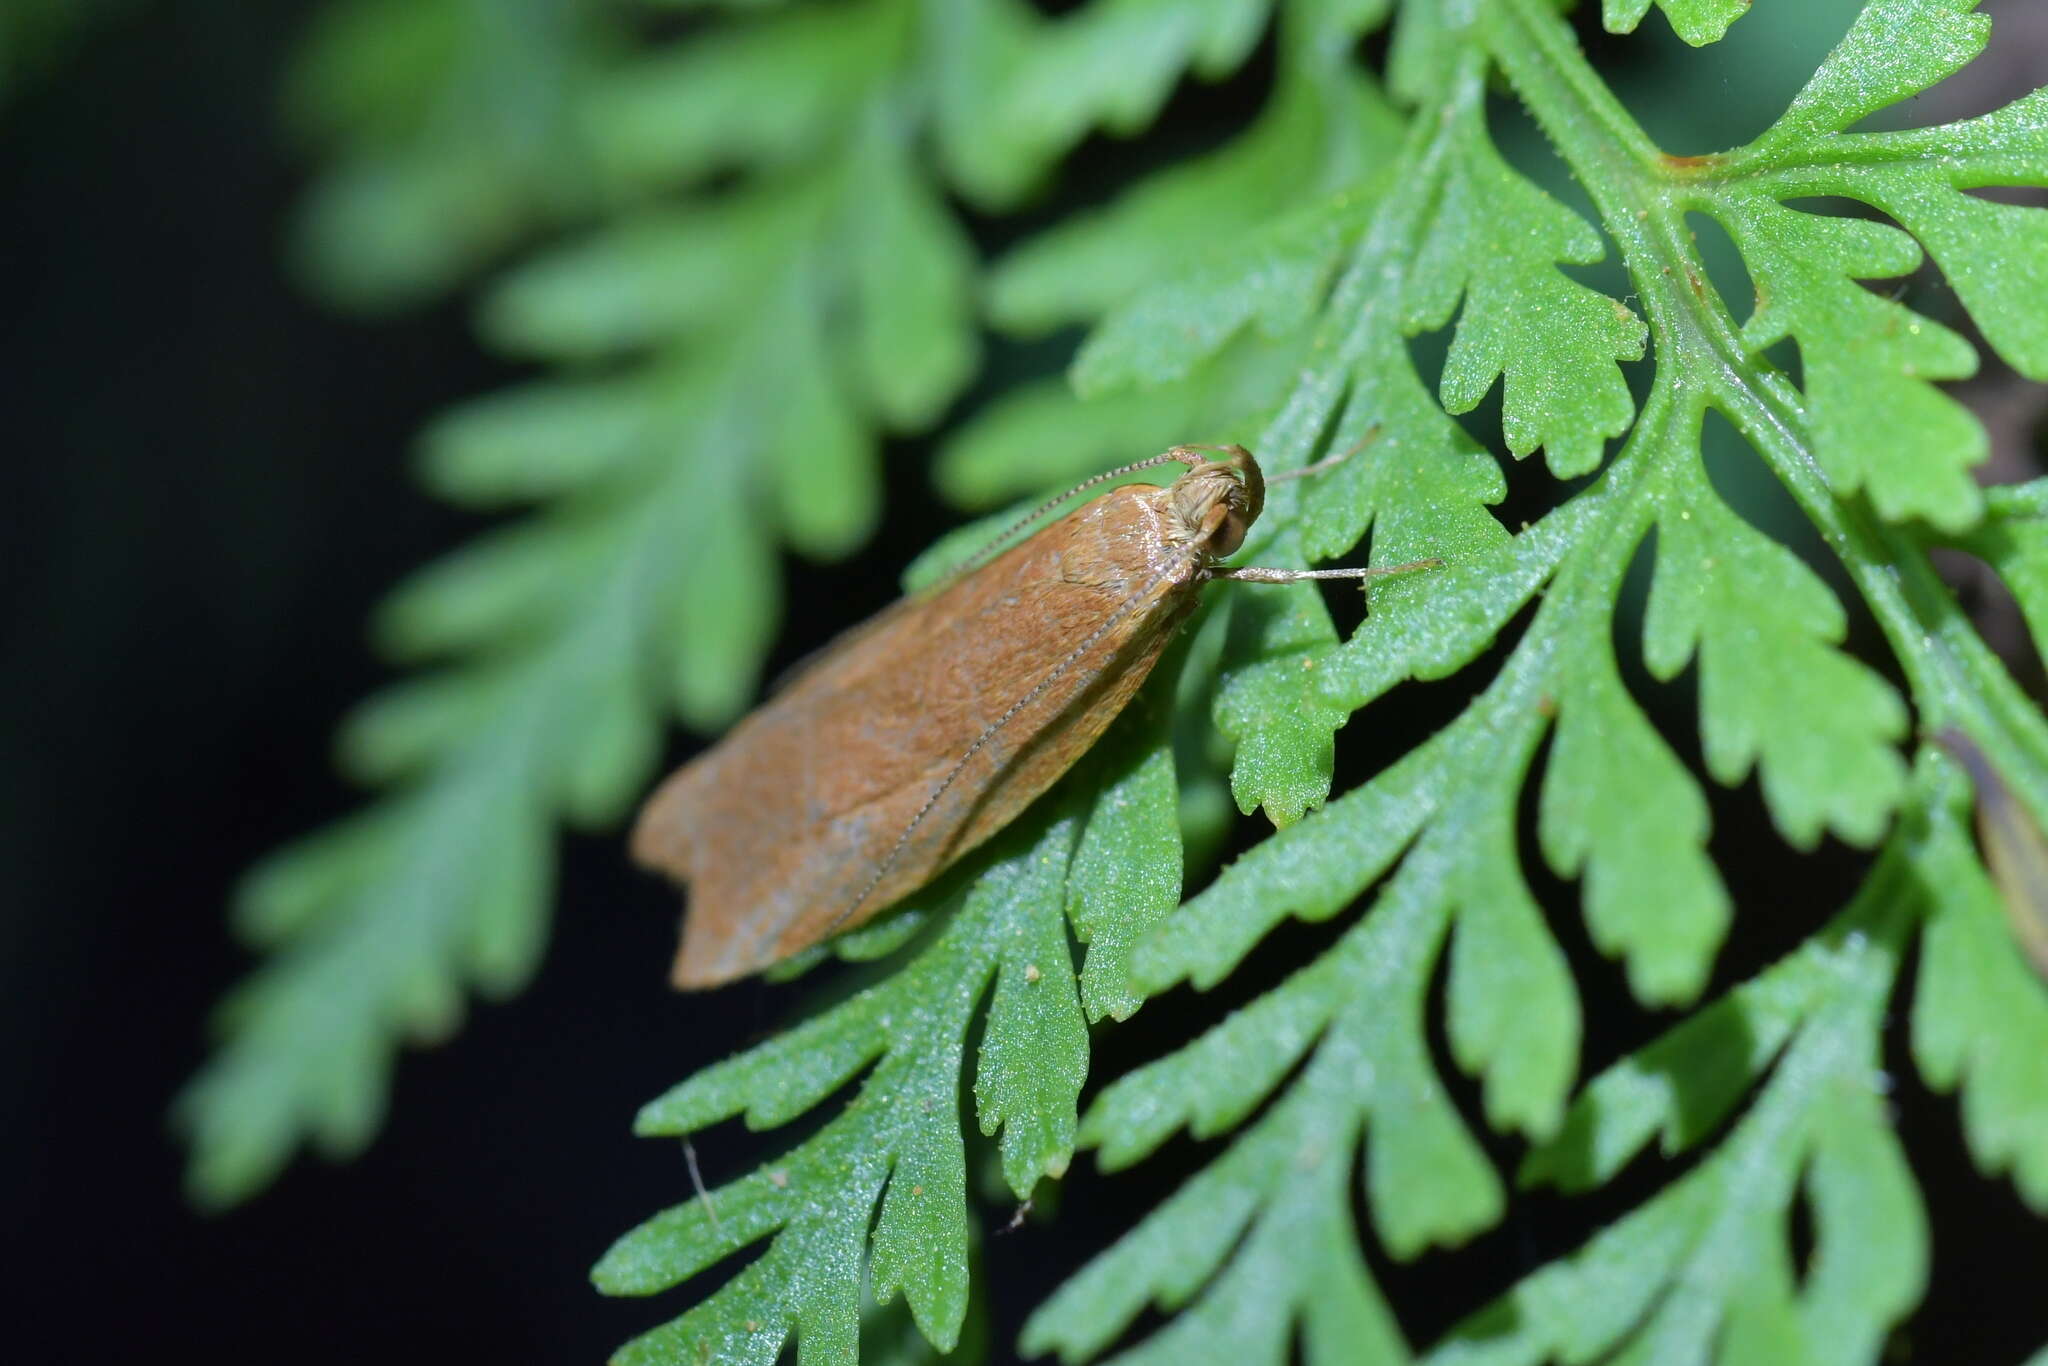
1257 574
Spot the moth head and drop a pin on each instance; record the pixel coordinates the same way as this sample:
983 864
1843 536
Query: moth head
1217 501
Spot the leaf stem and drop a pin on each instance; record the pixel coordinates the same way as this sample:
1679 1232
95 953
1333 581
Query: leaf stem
1955 678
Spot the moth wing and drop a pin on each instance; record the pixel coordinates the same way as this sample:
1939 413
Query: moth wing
773 828
797 671
754 906
909 740
804 665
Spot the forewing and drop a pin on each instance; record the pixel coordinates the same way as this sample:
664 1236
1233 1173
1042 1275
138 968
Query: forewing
913 739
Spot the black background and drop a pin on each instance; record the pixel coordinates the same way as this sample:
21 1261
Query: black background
204 493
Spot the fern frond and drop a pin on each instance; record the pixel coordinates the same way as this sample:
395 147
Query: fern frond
1618 811
883 1183
723 363
728 362
772 277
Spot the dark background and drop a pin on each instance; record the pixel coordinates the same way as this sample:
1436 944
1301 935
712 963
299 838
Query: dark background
204 493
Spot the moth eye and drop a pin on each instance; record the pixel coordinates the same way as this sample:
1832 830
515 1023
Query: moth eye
1228 525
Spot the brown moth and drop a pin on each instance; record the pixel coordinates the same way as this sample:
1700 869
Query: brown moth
920 734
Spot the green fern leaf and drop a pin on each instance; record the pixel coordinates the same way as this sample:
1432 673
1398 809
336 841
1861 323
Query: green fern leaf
2013 539
1698 22
1980 1022
899 1141
736 356
1774 691
1114 63
1275 283
450 136
1704 1267
1708 1259
1324 131
1497 240
1868 362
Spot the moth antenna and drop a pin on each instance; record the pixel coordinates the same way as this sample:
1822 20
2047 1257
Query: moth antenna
1175 456
989 732
1328 462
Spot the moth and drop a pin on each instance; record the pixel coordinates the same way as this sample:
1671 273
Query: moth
921 733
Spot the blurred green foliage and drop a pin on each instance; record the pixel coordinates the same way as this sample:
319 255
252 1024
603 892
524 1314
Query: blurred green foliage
35 34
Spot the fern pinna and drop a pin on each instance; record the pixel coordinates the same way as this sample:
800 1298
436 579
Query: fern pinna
729 352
